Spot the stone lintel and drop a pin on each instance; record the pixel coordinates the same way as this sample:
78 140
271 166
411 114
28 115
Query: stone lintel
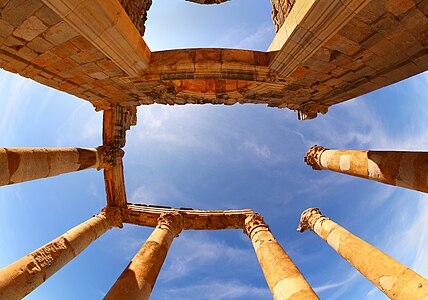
193 219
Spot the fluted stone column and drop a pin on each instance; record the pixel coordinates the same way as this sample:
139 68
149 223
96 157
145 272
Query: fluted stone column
26 274
24 164
139 277
401 168
283 277
393 278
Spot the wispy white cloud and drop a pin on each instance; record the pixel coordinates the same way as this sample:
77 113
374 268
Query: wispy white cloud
349 279
194 251
261 151
217 290
14 94
160 192
264 33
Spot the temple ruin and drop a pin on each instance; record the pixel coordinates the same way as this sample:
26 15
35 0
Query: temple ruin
324 52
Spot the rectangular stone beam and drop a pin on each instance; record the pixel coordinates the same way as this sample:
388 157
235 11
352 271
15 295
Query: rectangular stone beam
115 123
144 215
108 27
309 25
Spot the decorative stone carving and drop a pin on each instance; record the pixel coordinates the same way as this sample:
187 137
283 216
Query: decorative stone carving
280 11
172 221
309 218
113 216
309 110
313 157
137 12
253 222
108 156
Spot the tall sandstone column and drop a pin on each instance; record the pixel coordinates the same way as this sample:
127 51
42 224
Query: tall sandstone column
283 277
401 168
139 277
391 277
26 274
24 164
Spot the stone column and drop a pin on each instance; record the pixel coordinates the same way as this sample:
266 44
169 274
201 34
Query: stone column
405 169
391 277
24 164
26 274
283 277
139 277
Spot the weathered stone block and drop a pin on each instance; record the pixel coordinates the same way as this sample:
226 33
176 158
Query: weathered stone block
48 16
16 11
5 28
30 28
398 7
60 33
40 45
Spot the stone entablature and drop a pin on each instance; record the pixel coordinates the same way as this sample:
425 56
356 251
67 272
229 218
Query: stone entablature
377 45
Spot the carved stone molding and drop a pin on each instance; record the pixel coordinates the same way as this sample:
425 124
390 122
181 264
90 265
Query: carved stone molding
313 157
171 221
113 216
309 218
253 222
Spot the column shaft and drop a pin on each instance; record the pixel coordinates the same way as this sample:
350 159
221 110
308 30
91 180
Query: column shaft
394 279
283 277
26 274
24 164
139 277
401 168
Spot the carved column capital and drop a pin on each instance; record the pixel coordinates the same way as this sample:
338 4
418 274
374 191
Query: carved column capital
253 222
313 157
309 218
113 216
171 221
108 156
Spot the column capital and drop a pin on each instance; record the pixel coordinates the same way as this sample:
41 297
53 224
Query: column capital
309 218
313 156
171 221
253 222
107 156
113 216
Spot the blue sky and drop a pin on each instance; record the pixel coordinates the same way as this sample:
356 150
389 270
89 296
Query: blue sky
216 157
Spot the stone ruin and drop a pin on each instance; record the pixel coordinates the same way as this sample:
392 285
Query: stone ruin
324 52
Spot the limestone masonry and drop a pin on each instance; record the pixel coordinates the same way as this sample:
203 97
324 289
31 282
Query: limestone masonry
324 52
